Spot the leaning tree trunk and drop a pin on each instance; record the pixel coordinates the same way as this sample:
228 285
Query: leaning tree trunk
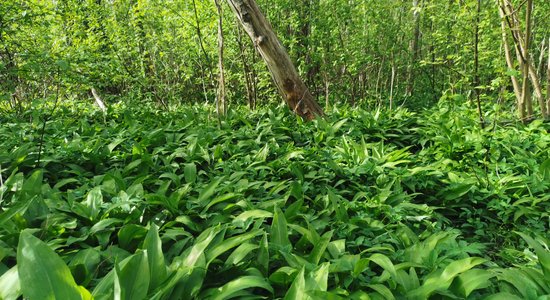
289 83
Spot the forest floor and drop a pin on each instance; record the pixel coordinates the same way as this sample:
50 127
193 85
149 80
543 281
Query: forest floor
148 204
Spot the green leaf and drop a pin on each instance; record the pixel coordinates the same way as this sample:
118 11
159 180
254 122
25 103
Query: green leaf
503 296
208 191
229 243
129 234
220 199
17 208
472 280
33 185
441 279
279 230
190 172
157 266
298 288
10 287
319 248
263 256
542 254
229 289
318 279
382 290
240 253
384 262
42 273
528 288
93 202
132 280
252 214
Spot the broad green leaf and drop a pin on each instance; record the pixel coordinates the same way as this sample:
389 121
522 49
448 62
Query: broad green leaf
252 214
114 144
384 262
93 202
208 191
229 243
382 290
61 183
228 290
202 242
441 279
298 288
542 254
338 207
318 279
33 185
84 263
544 170
129 234
17 209
319 248
132 280
10 288
263 256
220 199
503 296
134 164
279 230
155 257
190 172
337 248
240 253
472 280
42 273
523 284
325 295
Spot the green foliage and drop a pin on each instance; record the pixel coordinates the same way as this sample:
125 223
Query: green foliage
150 204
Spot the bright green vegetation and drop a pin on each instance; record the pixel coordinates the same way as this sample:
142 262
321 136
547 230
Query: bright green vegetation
149 204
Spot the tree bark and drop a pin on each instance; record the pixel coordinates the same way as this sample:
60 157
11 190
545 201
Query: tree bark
221 104
509 60
526 96
286 78
548 80
414 48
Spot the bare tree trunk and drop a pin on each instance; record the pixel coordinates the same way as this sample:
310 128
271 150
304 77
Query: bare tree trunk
509 60
509 14
248 76
201 45
286 78
391 85
476 66
548 80
221 104
526 96
414 48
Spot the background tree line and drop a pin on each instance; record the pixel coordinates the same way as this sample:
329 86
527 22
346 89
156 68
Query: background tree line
383 53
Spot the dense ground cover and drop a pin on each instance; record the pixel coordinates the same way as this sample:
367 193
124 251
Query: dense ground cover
149 204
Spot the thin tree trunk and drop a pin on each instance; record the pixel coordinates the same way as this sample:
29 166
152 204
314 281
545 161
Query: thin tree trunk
250 93
548 80
201 45
508 56
391 85
414 47
520 47
221 104
286 78
526 96
476 67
